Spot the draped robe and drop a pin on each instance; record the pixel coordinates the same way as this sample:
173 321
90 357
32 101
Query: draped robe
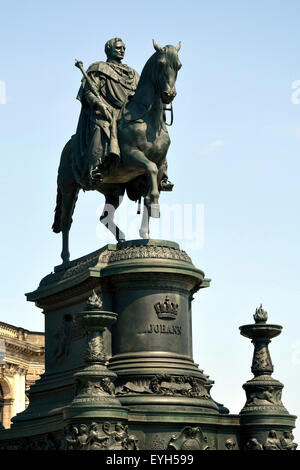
95 144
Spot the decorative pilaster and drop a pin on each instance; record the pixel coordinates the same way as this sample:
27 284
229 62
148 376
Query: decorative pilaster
94 385
263 392
264 408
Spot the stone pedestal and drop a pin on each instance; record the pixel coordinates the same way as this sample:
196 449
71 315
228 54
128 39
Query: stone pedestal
152 285
122 375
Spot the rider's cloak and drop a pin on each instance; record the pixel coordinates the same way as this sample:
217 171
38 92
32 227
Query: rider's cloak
95 143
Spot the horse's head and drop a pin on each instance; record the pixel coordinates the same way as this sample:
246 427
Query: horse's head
166 68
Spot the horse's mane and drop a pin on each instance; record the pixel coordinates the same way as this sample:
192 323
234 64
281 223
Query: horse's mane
150 68
149 83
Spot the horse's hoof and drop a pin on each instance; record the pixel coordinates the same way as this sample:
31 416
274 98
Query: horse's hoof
63 266
154 211
120 236
144 235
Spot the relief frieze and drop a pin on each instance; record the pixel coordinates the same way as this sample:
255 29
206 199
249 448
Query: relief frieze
167 385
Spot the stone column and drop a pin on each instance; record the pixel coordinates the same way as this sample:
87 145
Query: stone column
22 391
8 411
16 393
265 422
95 420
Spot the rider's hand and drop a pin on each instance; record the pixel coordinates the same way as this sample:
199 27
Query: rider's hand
101 109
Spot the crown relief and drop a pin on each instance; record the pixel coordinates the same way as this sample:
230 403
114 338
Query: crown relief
166 310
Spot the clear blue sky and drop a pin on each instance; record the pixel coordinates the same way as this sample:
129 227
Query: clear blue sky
235 126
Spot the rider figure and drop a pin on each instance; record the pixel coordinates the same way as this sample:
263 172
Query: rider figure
95 145
96 136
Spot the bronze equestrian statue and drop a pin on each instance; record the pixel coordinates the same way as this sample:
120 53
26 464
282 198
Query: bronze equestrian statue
121 140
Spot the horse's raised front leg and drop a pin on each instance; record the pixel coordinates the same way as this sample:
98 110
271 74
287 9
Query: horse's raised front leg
138 159
112 202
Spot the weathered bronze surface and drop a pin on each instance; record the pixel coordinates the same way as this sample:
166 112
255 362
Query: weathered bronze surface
119 367
94 393
121 140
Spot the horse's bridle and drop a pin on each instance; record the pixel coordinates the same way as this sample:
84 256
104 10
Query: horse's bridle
172 115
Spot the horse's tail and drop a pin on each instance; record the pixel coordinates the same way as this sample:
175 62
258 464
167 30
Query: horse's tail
65 163
56 227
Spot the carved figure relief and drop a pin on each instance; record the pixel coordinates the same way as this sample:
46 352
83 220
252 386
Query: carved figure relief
71 433
63 337
166 385
253 444
97 440
273 442
230 444
189 439
99 387
134 388
82 436
96 437
287 441
265 395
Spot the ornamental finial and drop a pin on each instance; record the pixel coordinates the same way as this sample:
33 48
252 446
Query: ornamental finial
260 316
94 302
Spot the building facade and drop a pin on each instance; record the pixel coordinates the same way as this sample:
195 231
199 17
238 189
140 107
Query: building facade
22 357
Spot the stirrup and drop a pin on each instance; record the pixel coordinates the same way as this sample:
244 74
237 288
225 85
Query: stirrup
166 185
96 176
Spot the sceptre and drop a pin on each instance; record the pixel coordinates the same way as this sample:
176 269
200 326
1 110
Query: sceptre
79 65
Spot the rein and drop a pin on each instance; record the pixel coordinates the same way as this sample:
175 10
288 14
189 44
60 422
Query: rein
141 117
148 110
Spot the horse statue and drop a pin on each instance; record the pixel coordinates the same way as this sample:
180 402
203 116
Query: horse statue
144 142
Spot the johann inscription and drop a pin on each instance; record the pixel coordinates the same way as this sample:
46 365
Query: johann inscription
160 328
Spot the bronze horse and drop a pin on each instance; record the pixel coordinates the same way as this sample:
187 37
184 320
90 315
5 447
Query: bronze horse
144 142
